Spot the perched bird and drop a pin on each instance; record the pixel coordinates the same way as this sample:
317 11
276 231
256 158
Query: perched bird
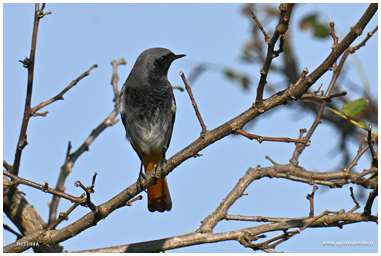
148 107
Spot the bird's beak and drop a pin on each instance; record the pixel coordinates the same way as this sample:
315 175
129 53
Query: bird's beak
178 56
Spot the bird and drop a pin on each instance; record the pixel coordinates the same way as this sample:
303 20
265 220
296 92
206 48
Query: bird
148 108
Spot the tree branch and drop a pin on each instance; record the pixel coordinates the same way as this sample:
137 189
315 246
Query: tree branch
33 111
260 139
115 79
280 29
195 238
45 188
70 159
194 104
29 64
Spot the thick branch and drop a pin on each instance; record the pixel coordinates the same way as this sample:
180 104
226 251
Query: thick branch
195 238
211 221
27 220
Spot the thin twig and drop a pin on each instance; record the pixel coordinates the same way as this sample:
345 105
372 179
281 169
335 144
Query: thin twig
357 205
63 215
267 37
115 78
313 220
286 235
88 202
355 160
281 28
369 35
211 221
129 203
17 180
302 76
59 186
259 218
176 87
7 166
323 98
370 144
260 139
310 197
60 95
6 227
369 202
194 104
333 35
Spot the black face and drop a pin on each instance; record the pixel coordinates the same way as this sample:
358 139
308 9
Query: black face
163 62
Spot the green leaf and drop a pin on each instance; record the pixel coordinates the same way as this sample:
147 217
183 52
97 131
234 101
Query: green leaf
230 74
308 22
237 77
320 30
354 108
245 81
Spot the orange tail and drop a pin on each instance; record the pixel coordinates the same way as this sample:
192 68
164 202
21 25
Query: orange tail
159 198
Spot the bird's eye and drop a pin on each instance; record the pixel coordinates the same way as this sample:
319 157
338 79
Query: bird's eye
162 59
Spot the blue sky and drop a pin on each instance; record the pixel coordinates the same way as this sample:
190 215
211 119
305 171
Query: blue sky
76 36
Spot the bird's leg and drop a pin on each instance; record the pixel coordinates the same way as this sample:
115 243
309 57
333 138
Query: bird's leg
141 176
161 163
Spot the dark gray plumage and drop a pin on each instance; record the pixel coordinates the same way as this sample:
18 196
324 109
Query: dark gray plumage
147 107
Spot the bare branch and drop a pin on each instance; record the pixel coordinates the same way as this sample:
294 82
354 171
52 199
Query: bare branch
369 202
357 205
28 63
267 37
302 76
17 180
260 139
369 35
211 221
129 203
323 98
370 142
60 95
333 34
310 197
63 215
17 234
281 29
357 157
194 104
28 221
115 78
71 159
254 233
88 191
